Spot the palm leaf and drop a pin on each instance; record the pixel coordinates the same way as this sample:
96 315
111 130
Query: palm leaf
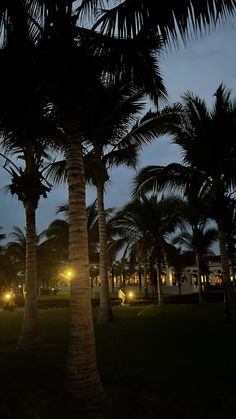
56 172
173 19
173 176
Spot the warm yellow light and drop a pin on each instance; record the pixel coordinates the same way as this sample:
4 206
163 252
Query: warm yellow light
131 294
7 296
70 274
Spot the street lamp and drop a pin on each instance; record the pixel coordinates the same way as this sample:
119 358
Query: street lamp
69 275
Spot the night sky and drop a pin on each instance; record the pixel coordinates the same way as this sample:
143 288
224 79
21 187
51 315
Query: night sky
200 67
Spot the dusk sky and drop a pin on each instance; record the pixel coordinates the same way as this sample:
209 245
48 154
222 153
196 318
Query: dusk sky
200 68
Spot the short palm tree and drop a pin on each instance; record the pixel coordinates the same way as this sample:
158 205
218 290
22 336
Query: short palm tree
58 231
195 236
145 224
179 260
229 221
199 241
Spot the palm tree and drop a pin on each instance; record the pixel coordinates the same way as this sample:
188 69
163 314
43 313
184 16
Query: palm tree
25 125
57 235
28 185
211 176
145 224
116 138
57 232
179 260
229 221
46 257
17 247
199 241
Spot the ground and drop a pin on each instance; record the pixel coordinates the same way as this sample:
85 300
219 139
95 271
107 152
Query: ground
165 363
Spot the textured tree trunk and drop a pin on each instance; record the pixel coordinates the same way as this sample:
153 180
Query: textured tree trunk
233 272
112 279
29 337
83 384
228 289
200 290
179 282
159 287
140 280
105 312
145 278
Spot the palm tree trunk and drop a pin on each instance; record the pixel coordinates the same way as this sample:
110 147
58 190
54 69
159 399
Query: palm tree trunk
29 337
179 282
228 289
159 286
140 279
105 312
112 279
145 278
233 272
83 384
200 290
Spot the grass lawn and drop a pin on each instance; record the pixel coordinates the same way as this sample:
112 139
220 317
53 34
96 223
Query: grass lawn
170 362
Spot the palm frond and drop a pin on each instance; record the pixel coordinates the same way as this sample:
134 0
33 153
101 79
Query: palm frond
127 156
154 125
174 176
130 60
173 20
63 208
56 172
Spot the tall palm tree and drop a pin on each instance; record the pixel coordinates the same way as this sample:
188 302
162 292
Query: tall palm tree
28 184
212 175
25 126
114 137
79 82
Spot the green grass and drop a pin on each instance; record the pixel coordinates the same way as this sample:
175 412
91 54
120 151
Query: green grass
59 296
165 363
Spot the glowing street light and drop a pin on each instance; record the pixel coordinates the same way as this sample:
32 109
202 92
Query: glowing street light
69 275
